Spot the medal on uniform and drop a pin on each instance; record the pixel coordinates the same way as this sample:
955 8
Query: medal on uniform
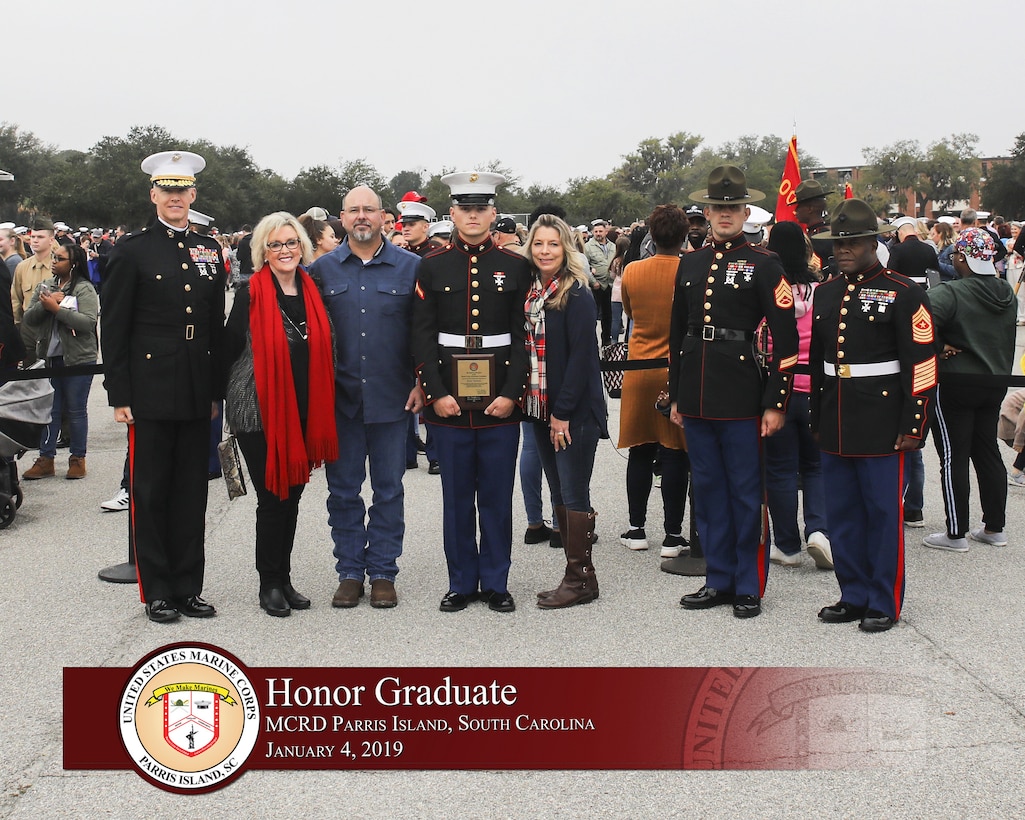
473 379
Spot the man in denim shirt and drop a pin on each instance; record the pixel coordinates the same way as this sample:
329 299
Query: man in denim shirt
368 285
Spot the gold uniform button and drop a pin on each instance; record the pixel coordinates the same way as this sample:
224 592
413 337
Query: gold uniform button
475 284
714 267
871 318
447 289
843 311
840 339
779 404
711 279
782 392
708 305
742 357
914 429
708 318
185 265
718 256
475 312
918 415
181 245
188 288
475 326
736 287
847 299
473 270
919 402
850 288
149 355
843 325
886 392
708 292
473 259
507 364
839 354
476 297
188 309
159 277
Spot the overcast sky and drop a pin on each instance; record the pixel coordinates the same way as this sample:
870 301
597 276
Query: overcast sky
554 90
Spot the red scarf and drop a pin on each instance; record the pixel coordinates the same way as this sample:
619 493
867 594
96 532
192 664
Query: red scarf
289 458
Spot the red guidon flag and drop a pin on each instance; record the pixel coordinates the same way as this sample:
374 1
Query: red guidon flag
786 202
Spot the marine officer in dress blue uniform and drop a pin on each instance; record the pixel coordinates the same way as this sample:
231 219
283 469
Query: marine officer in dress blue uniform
721 394
873 378
471 295
163 315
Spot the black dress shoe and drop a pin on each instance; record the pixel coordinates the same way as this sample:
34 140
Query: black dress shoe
195 607
875 621
706 598
434 468
213 475
295 600
411 465
456 601
746 606
161 612
272 601
841 613
501 602
537 535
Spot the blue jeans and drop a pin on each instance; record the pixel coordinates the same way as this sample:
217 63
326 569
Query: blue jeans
569 470
791 452
914 480
361 547
70 398
617 320
530 478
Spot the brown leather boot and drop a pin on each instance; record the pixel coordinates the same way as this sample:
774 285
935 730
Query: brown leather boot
579 585
43 468
560 516
76 467
560 513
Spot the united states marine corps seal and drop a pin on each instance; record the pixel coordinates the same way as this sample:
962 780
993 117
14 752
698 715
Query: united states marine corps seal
189 718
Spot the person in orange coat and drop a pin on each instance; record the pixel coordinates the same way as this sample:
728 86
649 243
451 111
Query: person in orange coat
647 290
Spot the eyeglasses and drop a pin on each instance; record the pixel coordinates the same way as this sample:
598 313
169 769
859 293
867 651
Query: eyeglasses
355 210
61 258
291 244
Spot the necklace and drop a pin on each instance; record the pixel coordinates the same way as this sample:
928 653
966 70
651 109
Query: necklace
299 328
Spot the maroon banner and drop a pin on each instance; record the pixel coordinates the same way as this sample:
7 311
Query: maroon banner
182 705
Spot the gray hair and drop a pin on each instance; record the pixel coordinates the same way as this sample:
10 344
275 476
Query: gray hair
268 225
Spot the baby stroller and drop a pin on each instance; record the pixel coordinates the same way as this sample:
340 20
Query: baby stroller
25 408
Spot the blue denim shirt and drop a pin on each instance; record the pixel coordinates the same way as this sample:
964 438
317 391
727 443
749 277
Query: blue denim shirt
371 306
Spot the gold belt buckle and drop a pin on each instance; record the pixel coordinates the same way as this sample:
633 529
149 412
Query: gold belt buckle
190 331
843 371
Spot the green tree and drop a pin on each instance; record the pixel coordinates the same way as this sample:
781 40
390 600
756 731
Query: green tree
589 199
658 168
893 169
319 186
31 160
1004 190
949 169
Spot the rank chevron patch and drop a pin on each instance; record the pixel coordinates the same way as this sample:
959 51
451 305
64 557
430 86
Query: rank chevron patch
921 327
784 296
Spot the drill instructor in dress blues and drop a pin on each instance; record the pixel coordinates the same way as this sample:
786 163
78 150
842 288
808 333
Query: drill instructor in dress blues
722 396
163 317
873 371
471 296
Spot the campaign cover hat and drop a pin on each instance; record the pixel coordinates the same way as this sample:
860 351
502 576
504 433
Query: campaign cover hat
810 189
852 218
727 185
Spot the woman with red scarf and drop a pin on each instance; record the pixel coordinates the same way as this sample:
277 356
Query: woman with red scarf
564 398
280 396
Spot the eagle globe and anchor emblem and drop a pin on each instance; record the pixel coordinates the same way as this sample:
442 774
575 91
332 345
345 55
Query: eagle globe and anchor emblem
192 715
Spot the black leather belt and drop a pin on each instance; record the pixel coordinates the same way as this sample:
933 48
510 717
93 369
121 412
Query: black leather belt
710 333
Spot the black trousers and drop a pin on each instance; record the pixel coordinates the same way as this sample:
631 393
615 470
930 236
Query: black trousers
675 474
603 297
167 515
965 428
275 518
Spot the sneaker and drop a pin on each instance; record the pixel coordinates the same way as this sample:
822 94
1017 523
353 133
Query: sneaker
994 539
673 545
119 503
777 556
913 518
635 539
820 551
1016 478
942 541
